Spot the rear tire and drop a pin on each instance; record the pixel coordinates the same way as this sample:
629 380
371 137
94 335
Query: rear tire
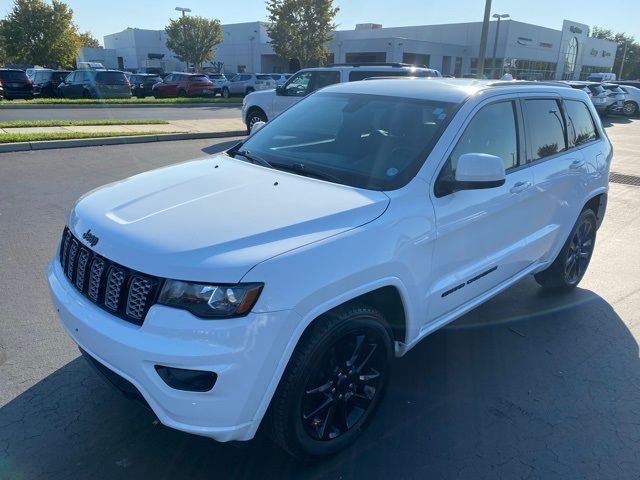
226 93
333 383
250 90
566 271
86 94
182 94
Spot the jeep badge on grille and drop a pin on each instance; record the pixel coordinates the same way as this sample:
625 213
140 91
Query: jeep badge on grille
91 238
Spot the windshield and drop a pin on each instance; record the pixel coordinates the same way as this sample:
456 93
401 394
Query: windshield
13 76
368 141
111 77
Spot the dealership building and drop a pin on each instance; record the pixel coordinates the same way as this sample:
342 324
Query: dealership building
526 51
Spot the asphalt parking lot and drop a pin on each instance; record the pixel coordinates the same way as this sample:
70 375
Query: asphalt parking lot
530 385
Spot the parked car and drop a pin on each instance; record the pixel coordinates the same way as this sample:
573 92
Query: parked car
31 71
281 78
600 97
184 85
630 83
632 100
245 83
617 95
46 82
142 84
263 106
601 77
15 84
313 252
218 80
95 84
91 66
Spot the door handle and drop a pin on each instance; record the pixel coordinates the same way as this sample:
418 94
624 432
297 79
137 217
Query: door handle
520 187
576 164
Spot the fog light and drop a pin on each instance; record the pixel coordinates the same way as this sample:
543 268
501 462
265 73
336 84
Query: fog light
187 380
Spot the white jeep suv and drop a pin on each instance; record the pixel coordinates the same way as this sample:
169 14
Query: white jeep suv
263 106
275 282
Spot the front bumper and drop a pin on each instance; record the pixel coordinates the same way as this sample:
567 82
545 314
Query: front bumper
244 352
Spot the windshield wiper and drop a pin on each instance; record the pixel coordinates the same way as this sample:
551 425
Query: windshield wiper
252 158
303 170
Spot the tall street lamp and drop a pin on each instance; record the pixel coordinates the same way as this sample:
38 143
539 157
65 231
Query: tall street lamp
624 59
483 38
495 42
183 10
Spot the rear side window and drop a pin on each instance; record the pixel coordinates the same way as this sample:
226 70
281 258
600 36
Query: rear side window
493 131
111 77
264 77
199 78
581 126
545 128
321 79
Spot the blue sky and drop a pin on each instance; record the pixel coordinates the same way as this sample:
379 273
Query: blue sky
110 16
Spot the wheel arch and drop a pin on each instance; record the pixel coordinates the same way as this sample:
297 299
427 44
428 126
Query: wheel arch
598 203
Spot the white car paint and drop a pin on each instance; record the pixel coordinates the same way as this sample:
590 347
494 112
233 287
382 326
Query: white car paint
271 103
314 245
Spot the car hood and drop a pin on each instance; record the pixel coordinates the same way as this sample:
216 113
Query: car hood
214 219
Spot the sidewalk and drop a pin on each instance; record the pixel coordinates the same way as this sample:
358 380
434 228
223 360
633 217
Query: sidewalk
126 134
218 126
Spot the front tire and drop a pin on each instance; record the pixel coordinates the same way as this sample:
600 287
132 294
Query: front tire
333 384
255 115
630 108
226 93
571 264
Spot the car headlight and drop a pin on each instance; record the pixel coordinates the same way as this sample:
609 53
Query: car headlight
210 301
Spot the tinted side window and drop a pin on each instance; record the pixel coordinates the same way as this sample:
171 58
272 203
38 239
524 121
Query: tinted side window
581 126
493 130
545 128
323 79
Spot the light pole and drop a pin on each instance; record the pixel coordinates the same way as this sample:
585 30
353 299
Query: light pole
495 42
624 59
183 10
483 38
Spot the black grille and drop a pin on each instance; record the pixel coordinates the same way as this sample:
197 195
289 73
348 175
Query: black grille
126 293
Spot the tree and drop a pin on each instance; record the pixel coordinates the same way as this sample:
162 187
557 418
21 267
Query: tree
300 29
632 58
35 32
193 39
87 40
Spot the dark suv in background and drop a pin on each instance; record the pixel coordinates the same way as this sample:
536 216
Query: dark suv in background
142 84
15 84
46 82
184 85
95 84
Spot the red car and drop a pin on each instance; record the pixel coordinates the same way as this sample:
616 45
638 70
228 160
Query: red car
184 85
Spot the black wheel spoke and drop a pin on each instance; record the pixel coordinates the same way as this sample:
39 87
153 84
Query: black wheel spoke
328 421
321 389
360 401
356 351
370 376
366 359
320 408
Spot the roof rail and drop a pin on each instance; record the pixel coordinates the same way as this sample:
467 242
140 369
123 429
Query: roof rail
376 64
512 83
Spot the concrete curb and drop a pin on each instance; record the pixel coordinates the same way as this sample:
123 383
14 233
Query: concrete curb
62 106
95 142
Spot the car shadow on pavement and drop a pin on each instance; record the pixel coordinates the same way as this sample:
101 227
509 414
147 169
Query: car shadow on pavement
528 385
610 120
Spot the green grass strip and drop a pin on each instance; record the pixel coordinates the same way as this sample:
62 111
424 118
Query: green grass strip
111 101
79 123
37 137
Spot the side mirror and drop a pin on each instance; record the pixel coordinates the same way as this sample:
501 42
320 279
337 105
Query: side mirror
280 90
479 170
257 126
